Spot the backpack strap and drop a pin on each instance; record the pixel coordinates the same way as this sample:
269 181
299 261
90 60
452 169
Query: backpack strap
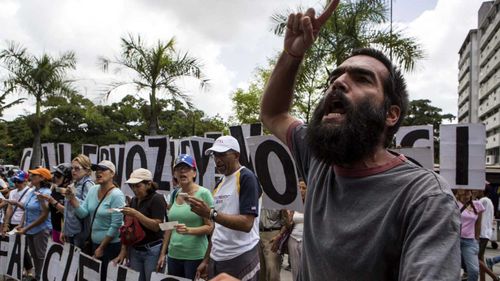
172 197
83 186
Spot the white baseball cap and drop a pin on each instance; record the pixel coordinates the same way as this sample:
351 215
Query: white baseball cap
140 175
223 144
104 164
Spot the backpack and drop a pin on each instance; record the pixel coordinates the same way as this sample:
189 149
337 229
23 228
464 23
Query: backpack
131 231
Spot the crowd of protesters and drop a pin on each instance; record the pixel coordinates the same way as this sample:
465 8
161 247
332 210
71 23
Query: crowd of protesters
69 204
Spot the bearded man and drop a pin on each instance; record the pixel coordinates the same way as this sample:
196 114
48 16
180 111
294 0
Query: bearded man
370 214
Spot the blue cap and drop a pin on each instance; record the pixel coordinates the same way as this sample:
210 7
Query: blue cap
185 159
20 176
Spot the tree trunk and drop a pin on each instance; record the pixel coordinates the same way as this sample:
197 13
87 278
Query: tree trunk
36 157
153 116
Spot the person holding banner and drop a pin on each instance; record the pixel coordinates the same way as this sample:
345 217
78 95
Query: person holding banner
471 212
76 230
61 178
102 198
187 243
235 238
15 211
149 208
355 185
36 218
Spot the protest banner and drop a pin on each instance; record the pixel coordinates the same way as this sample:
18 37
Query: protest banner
275 168
121 273
12 249
417 142
63 153
26 159
155 276
61 262
48 155
462 155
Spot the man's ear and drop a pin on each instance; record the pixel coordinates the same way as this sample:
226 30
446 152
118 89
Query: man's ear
392 115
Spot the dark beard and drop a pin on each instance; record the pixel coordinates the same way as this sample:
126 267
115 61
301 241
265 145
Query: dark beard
354 139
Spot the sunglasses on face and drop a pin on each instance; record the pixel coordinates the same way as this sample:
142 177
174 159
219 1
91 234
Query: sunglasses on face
101 169
17 181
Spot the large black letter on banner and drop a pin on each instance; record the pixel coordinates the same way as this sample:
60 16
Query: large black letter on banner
3 254
409 139
86 262
201 159
104 154
58 249
15 258
60 153
263 173
161 143
23 161
237 133
129 165
462 156
118 162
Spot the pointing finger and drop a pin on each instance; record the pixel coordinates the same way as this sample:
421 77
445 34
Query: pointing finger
327 12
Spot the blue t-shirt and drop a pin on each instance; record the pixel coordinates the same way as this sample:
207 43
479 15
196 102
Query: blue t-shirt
33 210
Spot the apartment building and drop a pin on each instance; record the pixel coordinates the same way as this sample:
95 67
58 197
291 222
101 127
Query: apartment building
479 77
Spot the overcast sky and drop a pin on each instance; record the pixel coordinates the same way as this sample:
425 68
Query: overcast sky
230 37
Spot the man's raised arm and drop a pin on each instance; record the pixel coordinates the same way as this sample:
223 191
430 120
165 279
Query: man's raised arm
301 31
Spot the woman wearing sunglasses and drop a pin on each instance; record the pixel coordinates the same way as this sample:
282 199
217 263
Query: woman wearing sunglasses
61 178
188 242
36 218
149 208
101 198
76 230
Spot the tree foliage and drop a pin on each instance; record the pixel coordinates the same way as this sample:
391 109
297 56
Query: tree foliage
42 77
353 25
157 69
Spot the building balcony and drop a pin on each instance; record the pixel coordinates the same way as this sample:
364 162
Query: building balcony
463 83
490 49
493 141
492 122
489 69
491 102
464 119
463 97
490 86
492 27
464 55
463 110
464 70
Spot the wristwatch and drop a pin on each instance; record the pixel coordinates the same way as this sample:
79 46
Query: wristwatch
213 214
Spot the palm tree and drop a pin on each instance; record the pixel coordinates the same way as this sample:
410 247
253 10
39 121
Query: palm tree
157 69
354 24
41 77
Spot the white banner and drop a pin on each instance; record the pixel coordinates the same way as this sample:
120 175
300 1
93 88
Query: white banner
275 168
462 155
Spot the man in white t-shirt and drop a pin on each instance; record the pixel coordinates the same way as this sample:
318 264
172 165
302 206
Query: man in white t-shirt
234 242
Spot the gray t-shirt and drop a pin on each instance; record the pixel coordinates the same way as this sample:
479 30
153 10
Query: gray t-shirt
394 222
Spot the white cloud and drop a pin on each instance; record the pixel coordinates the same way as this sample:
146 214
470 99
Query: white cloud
441 32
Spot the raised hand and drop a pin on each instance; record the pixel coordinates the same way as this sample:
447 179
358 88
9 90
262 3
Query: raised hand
303 29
